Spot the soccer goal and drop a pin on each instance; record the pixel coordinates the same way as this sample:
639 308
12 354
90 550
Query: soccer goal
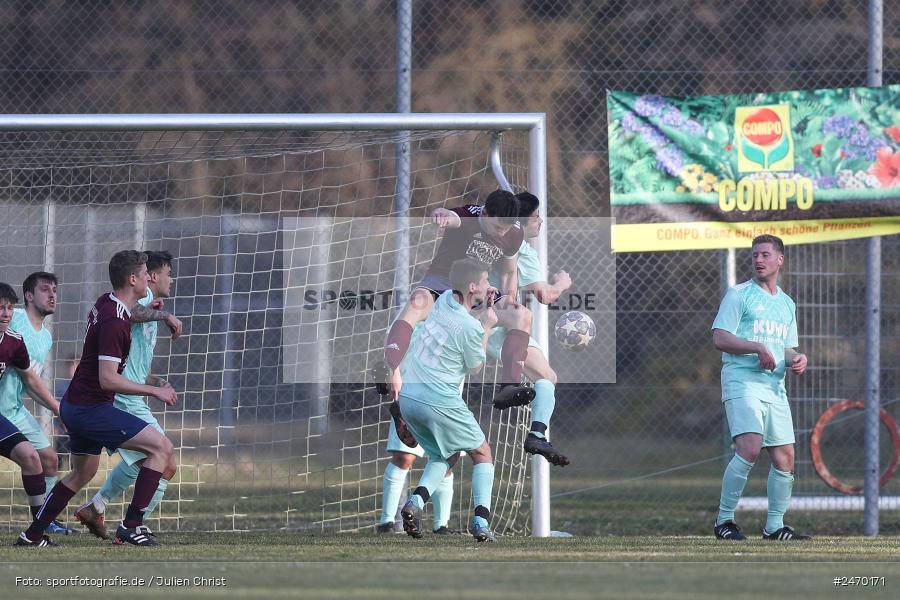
293 248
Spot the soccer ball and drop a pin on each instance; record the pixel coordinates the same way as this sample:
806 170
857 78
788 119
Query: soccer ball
575 330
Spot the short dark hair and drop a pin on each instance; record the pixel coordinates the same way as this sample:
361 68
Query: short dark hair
528 203
503 205
466 271
123 265
8 293
769 239
157 259
32 280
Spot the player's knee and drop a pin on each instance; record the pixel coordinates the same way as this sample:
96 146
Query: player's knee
27 458
748 452
403 460
171 468
49 461
522 318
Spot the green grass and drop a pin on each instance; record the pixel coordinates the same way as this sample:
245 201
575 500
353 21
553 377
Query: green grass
276 565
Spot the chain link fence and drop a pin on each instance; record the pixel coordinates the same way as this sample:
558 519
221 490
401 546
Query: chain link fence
654 439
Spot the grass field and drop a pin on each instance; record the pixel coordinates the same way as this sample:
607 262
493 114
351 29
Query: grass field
282 565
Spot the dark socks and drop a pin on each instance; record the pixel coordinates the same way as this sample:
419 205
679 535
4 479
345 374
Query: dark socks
144 488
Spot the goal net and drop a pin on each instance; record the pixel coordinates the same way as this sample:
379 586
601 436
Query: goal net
287 248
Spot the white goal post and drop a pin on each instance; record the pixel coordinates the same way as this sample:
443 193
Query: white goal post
24 142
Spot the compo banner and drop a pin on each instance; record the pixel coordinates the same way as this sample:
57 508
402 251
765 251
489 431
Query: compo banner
715 171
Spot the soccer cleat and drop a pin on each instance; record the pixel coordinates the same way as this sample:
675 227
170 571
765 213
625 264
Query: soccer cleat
539 445
136 536
729 530
58 528
95 522
513 395
482 534
444 530
786 534
403 431
385 527
44 542
381 375
412 519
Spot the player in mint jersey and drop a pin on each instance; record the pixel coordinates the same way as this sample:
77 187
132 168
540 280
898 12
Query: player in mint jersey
39 290
490 234
93 422
14 445
137 369
450 344
756 331
533 281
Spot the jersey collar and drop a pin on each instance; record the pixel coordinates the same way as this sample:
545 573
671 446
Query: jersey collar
122 304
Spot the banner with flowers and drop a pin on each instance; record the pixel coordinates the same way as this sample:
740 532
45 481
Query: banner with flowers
716 171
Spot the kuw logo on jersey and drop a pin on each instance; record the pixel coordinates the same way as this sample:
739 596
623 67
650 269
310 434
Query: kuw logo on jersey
770 328
484 251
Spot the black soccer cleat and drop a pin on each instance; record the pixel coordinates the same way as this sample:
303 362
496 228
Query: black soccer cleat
412 519
403 431
385 527
44 542
513 395
539 445
136 536
786 534
444 530
729 530
381 375
482 534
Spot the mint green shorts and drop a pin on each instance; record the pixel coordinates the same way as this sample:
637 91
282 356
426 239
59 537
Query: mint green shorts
496 339
440 430
772 420
141 411
28 425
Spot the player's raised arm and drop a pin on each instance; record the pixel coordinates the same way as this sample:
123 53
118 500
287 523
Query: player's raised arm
548 293
445 219
144 314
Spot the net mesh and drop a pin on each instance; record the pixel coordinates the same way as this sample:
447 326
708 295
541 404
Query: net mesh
261 442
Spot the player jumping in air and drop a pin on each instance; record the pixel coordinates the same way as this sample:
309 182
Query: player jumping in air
490 234
14 445
40 294
531 280
137 370
451 343
93 422
756 331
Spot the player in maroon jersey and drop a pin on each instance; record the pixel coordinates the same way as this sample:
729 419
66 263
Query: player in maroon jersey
93 422
13 443
490 234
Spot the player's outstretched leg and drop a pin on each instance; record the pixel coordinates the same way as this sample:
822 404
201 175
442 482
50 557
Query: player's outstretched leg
517 320
482 486
538 370
442 499
412 511
50 463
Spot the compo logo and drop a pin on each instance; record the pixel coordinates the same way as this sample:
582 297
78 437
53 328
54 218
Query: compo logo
763 138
